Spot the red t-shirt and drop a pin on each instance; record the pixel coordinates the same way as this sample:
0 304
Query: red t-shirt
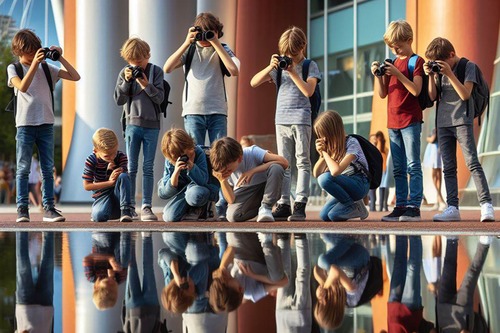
400 319
403 108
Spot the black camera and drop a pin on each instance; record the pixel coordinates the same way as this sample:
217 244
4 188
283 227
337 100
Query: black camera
380 71
284 62
434 66
184 158
203 35
51 54
137 72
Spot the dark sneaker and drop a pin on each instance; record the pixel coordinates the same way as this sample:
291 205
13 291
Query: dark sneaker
281 212
412 214
395 215
299 212
126 215
147 215
53 215
23 214
192 214
134 215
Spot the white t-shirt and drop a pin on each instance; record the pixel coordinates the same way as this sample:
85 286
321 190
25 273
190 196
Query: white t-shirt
34 107
34 318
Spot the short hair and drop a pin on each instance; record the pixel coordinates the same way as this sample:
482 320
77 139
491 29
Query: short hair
224 151
208 21
175 299
135 49
439 49
246 141
223 298
330 312
398 31
292 42
104 139
174 142
104 297
25 41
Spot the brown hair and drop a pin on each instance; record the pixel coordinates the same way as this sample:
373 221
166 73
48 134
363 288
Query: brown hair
25 41
207 21
246 141
398 31
439 49
104 139
105 296
175 142
175 299
329 312
224 151
292 42
135 49
381 144
329 125
222 297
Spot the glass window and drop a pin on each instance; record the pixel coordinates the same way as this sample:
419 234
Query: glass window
367 55
316 40
340 74
343 107
363 128
371 22
316 6
496 77
340 31
335 3
364 105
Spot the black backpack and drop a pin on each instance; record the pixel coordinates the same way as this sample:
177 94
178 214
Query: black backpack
12 105
423 98
374 159
375 281
480 92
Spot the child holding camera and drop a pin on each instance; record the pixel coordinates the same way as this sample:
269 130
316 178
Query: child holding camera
35 116
404 119
293 117
139 89
455 124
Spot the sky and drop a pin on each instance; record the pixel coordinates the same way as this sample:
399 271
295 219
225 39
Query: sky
36 17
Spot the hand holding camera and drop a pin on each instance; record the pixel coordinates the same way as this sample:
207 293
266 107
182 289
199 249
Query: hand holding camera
198 34
434 66
284 62
382 67
51 53
134 72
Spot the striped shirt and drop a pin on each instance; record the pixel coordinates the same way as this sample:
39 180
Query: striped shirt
97 170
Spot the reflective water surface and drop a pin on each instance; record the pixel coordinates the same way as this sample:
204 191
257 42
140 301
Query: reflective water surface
247 282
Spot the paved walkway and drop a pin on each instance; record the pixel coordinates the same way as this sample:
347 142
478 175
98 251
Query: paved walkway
78 218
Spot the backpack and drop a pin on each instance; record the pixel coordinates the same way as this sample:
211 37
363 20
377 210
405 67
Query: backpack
423 98
480 92
374 159
189 60
12 105
375 281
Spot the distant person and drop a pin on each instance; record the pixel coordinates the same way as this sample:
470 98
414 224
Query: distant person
433 160
35 116
57 186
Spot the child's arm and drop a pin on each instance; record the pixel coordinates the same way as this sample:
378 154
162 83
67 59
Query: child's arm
381 82
69 72
319 167
92 186
247 270
269 159
413 87
226 188
198 168
263 75
227 258
232 68
306 88
179 166
24 84
334 167
174 61
463 90
432 84
334 274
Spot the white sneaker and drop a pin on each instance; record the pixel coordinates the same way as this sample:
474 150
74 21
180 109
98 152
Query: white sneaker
265 215
265 237
485 240
487 212
449 214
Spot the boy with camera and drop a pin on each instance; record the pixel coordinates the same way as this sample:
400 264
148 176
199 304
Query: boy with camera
35 116
293 117
455 124
404 119
185 179
139 89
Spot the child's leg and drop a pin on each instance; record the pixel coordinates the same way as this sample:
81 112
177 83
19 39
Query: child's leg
175 208
133 294
149 149
286 146
148 280
302 297
398 153
272 190
302 138
325 211
448 146
411 138
373 198
45 144
25 288
337 246
465 137
448 284
246 204
284 296
45 282
25 138
122 190
196 127
274 262
217 127
197 196
133 139
398 277
412 297
105 208
124 248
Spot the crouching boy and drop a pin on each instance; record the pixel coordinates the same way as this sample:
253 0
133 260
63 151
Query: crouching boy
105 173
250 179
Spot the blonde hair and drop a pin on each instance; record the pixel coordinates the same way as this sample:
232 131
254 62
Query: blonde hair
329 312
329 125
246 141
224 151
104 139
25 41
175 299
292 42
439 49
135 49
398 31
105 296
223 298
175 142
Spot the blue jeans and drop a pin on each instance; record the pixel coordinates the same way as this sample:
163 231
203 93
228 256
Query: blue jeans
405 151
405 279
192 195
343 189
108 206
115 243
29 291
197 126
148 137
344 252
43 137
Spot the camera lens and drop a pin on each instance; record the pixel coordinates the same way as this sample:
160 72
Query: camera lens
51 54
184 158
284 62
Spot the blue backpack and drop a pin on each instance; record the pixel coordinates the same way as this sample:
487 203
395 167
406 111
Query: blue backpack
423 98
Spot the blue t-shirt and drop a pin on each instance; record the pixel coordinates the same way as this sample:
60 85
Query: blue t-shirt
252 157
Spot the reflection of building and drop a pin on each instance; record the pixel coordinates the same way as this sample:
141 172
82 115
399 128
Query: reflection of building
8 28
